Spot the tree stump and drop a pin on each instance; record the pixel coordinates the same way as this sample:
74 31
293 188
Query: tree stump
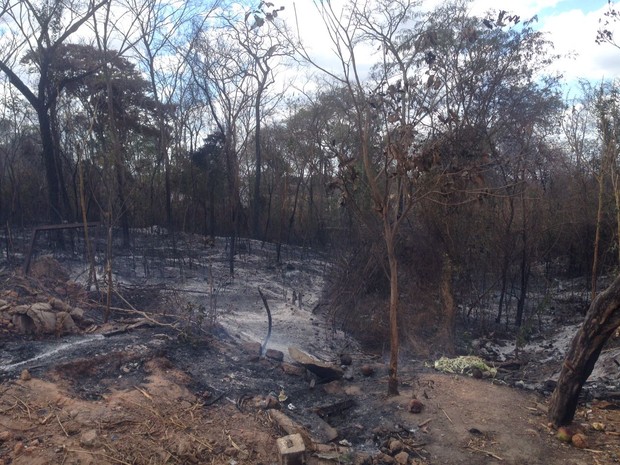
602 319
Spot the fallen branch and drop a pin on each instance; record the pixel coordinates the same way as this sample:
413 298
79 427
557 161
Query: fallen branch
425 422
444 412
144 314
490 454
262 296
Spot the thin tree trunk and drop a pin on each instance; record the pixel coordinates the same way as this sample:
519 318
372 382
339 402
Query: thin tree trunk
449 309
602 319
257 169
599 221
394 300
525 270
281 225
92 274
616 187
108 269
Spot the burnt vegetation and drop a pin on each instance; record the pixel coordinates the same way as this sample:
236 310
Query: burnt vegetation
451 185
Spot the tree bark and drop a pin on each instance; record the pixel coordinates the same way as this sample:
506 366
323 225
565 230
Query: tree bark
394 299
449 308
49 159
597 234
602 319
257 167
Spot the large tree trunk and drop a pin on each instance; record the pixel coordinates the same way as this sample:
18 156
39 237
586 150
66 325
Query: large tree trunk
51 172
602 319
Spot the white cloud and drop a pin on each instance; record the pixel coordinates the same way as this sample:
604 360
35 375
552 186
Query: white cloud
525 8
573 33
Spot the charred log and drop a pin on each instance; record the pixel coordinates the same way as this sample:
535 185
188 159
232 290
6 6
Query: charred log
602 319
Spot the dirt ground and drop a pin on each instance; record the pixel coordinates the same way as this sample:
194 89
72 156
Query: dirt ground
143 390
157 417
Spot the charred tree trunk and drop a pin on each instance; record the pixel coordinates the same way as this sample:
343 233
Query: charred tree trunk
602 319
49 159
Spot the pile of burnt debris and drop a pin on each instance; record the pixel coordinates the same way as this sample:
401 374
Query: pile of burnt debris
329 411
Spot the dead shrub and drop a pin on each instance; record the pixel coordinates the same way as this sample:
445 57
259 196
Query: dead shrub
359 294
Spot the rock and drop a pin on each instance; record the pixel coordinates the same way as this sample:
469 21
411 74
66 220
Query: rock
25 375
476 373
18 448
395 446
362 458
19 309
43 317
23 324
6 436
274 354
580 441
385 458
77 314
415 406
345 359
65 323
88 438
60 305
402 458
291 449
348 375
293 370
40 318
598 426
323 370
367 370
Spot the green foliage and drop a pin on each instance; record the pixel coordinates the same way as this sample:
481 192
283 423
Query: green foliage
463 364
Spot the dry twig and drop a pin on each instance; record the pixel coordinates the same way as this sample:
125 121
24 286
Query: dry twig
490 454
426 422
444 412
24 404
61 426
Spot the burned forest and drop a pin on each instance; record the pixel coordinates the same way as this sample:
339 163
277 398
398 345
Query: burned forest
226 240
